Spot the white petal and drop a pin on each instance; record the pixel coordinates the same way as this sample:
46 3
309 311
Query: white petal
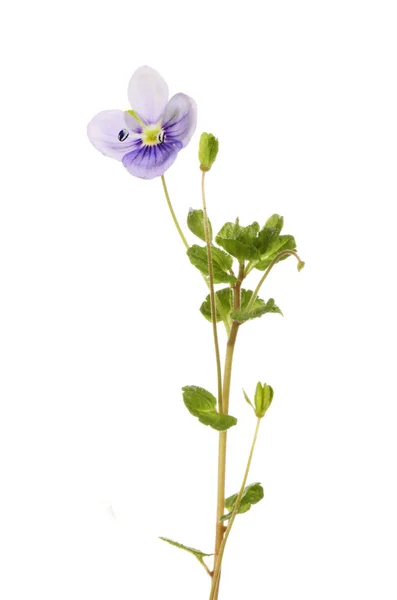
148 94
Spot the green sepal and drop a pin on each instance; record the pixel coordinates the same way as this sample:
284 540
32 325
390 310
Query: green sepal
248 400
202 404
252 494
258 309
197 553
224 298
195 222
239 241
263 398
221 262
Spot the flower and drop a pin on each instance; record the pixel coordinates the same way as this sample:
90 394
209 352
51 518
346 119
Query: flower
147 138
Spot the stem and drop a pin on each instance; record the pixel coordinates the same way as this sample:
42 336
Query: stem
217 569
212 296
220 509
186 244
270 267
173 215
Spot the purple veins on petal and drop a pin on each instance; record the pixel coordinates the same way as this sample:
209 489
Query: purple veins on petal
148 162
180 118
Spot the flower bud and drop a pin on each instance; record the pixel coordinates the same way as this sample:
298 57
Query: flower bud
263 399
208 150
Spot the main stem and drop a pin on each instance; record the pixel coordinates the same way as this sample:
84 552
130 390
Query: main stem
218 564
227 376
212 295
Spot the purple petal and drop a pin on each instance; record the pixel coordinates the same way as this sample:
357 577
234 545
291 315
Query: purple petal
180 119
148 94
104 132
148 162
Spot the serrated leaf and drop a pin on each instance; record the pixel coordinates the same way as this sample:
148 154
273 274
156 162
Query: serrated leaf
239 241
202 404
252 494
197 553
241 316
221 261
224 298
195 222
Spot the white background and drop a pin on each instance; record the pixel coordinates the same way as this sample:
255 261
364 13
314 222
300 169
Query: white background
99 306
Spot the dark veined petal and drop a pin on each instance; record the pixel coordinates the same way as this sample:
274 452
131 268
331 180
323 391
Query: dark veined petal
148 162
148 94
180 119
109 133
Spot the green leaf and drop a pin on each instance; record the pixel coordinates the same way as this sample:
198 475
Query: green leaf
221 261
239 241
283 242
259 308
197 553
195 222
252 495
224 298
202 404
269 233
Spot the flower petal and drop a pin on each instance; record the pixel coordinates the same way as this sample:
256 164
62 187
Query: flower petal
148 162
148 94
180 119
103 132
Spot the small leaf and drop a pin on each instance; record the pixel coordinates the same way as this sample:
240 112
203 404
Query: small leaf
197 553
256 311
202 404
195 222
224 298
221 261
252 495
239 241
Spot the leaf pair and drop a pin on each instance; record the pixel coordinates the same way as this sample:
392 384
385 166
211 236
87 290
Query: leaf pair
225 300
202 404
257 246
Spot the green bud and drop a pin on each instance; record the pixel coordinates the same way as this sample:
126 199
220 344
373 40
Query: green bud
263 399
301 264
208 150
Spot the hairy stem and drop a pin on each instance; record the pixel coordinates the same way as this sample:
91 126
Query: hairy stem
269 268
212 295
227 375
218 564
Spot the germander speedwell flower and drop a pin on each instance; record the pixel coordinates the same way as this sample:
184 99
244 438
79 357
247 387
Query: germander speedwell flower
147 138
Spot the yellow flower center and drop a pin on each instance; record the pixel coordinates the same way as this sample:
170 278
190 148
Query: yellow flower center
151 135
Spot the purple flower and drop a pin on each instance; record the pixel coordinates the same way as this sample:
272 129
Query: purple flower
147 138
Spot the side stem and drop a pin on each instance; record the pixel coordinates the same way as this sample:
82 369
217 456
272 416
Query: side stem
218 564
